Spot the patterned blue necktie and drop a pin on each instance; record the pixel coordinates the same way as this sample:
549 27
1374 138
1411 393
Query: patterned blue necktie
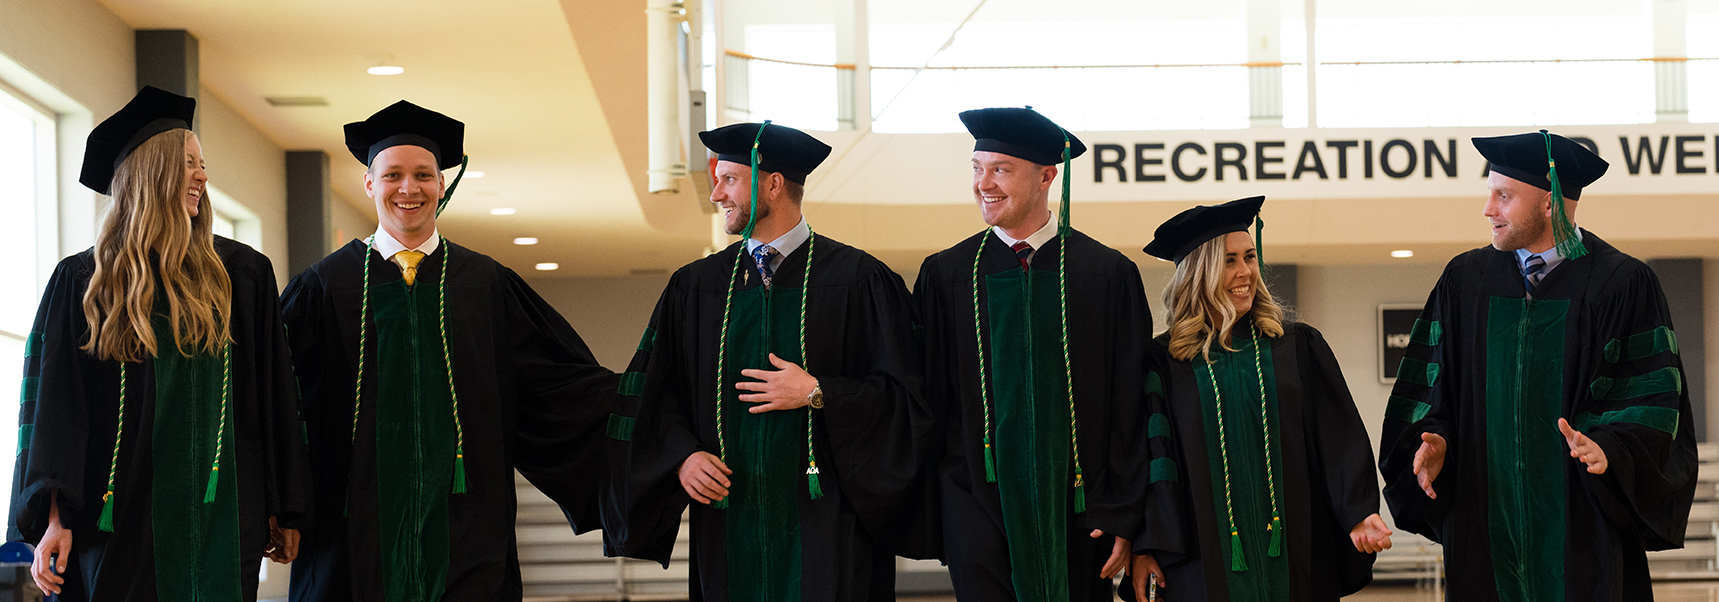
762 256
1532 271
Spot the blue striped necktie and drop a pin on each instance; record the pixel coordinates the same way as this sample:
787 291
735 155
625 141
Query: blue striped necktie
1533 270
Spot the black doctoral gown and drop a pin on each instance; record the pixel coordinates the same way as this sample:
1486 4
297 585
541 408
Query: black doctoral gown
66 442
1321 472
1492 371
530 396
871 440
1023 537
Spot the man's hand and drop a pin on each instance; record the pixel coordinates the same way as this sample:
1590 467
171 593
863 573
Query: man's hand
1429 460
56 541
784 388
1120 555
1145 567
1371 535
705 477
283 543
1582 448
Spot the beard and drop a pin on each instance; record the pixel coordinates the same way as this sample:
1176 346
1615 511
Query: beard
742 211
1522 234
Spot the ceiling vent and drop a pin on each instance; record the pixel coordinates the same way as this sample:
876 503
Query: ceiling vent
297 101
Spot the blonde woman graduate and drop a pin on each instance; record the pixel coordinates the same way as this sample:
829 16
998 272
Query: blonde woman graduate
160 452
1279 500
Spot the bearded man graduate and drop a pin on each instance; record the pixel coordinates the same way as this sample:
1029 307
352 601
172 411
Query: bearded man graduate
429 373
778 386
1539 427
1035 341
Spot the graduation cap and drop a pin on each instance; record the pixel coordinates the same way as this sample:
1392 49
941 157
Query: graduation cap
1552 163
1021 133
1180 235
152 111
783 150
407 124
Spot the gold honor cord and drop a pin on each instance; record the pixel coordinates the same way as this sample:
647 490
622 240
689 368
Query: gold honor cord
1563 231
1275 527
459 479
1063 230
105 521
813 486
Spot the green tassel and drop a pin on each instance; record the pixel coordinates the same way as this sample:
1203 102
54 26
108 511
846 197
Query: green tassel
106 522
214 481
721 504
990 463
1276 529
812 483
1564 234
1079 498
1237 563
460 472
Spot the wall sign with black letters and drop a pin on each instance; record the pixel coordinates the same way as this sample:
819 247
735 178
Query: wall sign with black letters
1396 322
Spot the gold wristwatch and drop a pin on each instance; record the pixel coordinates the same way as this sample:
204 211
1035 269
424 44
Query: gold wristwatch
816 397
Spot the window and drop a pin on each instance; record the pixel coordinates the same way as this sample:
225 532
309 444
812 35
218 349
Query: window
27 240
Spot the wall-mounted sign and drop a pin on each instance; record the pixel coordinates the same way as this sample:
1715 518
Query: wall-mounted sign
1396 321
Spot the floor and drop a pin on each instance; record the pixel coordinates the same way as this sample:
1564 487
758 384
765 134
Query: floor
1670 591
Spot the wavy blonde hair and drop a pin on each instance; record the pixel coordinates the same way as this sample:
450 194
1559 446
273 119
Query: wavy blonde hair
1196 301
150 239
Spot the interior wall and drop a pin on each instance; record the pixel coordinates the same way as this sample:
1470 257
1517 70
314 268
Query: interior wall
609 313
251 168
349 223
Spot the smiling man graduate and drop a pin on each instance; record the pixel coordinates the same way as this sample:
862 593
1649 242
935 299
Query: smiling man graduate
1035 342
1539 427
778 386
429 374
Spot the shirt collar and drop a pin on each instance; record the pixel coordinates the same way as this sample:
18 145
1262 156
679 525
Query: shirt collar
1037 239
1552 256
785 244
387 246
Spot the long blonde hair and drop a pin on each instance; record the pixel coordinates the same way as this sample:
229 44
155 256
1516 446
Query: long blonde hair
149 238
1200 313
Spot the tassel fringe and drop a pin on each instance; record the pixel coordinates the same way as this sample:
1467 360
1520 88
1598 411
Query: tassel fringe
1237 563
460 472
1079 492
105 524
990 463
721 504
1276 528
214 482
817 490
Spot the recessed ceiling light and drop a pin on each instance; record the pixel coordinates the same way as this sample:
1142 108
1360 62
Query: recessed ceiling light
474 174
525 240
544 267
385 70
1402 253
501 211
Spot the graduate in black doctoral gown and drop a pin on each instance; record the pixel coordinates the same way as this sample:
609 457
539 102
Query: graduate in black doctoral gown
778 385
160 455
1540 424
1044 479
1277 498
430 373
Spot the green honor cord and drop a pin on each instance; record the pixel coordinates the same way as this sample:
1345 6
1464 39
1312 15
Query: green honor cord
813 486
459 479
105 521
1063 230
1275 527
1563 230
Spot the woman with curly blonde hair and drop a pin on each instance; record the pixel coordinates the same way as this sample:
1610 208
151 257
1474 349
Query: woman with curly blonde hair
1276 470
159 419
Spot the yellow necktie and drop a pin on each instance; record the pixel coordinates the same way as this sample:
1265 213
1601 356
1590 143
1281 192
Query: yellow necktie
408 261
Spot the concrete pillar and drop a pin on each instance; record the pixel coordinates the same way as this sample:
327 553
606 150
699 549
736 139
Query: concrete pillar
167 59
1684 286
310 216
1264 47
853 47
1671 64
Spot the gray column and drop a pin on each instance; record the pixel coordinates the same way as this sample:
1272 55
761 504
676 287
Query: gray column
1280 279
853 47
309 215
167 59
1671 62
1682 282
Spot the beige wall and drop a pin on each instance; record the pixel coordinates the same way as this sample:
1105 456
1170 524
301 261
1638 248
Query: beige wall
609 313
249 167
